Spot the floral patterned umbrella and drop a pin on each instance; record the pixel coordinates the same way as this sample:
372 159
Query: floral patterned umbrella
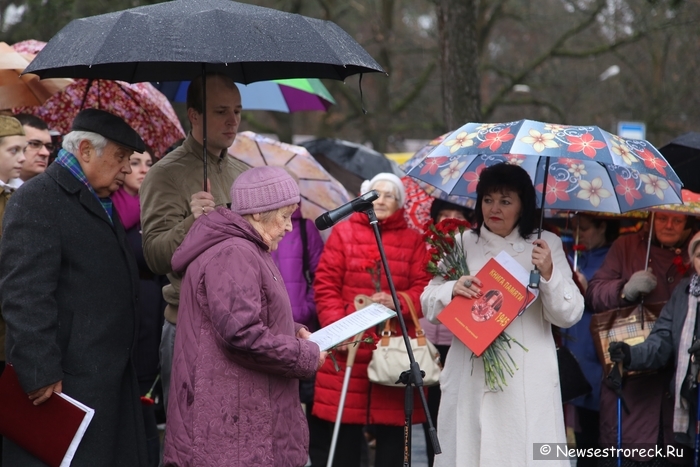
575 167
142 106
320 192
420 195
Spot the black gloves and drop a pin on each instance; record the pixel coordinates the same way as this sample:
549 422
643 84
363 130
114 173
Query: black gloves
620 352
694 350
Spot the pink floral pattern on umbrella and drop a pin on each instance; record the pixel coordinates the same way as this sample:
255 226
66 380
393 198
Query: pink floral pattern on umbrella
472 178
493 141
653 162
627 188
586 144
142 106
556 190
432 165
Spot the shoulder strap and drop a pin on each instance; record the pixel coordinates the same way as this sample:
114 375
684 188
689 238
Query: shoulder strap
420 334
306 268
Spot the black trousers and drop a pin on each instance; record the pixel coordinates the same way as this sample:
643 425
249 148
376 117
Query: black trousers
587 438
348 449
2 368
434 395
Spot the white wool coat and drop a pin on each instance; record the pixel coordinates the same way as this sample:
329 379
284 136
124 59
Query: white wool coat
478 427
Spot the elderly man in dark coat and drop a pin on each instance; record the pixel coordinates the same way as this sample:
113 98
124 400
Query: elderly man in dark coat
68 285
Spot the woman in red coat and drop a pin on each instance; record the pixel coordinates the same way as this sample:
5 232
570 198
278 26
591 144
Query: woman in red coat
342 274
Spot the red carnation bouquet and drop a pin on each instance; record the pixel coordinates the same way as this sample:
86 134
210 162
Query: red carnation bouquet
449 261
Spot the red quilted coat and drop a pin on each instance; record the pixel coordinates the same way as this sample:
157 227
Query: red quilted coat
341 275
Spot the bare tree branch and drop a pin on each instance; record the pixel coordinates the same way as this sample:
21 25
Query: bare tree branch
530 67
417 89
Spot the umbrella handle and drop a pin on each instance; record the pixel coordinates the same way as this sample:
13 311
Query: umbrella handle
651 234
534 282
204 123
578 231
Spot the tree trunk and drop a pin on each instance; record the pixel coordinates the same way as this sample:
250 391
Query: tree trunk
459 61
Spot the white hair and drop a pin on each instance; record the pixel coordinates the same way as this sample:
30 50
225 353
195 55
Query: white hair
71 142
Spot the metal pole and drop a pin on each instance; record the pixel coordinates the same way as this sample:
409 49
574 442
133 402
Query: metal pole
352 351
578 231
651 234
204 123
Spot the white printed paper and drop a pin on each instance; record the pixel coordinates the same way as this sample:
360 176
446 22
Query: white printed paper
351 325
89 413
520 273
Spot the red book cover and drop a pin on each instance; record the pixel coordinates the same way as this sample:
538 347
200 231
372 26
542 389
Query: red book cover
50 431
478 321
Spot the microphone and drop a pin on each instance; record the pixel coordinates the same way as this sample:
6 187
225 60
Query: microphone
359 204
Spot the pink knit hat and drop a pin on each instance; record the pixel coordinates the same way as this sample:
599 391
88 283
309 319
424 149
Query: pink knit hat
263 189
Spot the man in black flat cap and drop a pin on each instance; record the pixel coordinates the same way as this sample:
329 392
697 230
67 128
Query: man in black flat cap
68 286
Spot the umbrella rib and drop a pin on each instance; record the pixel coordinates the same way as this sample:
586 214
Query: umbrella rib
262 156
132 97
314 202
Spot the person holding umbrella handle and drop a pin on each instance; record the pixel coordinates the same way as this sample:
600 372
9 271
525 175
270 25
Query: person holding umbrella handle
172 195
636 269
640 284
674 337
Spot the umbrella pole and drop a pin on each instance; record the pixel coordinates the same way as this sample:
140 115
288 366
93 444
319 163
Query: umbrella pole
619 429
85 94
352 351
204 123
651 234
535 274
578 231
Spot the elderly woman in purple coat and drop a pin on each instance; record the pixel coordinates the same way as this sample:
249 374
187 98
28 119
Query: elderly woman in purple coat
238 352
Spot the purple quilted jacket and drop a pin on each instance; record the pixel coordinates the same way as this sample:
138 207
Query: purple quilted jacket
289 259
234 390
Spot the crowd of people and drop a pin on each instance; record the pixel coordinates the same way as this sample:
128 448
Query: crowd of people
120 272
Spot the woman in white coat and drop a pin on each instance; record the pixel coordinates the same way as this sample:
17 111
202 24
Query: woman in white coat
477 426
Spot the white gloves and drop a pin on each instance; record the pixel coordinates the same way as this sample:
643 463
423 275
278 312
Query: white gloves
641 282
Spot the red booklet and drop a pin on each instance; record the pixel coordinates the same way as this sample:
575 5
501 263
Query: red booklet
51 431
478 321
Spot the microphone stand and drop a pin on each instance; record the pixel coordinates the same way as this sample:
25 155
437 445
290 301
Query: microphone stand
413 376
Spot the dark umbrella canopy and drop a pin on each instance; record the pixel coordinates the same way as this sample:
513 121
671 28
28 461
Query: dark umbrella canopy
683 153
171 40
350 163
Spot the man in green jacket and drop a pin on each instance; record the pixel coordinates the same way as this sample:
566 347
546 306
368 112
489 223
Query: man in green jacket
173 196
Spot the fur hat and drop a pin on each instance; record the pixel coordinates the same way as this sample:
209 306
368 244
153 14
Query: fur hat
367 185
263 189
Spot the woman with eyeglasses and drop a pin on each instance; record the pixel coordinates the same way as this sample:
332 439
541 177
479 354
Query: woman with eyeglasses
350 265
625 280
151 304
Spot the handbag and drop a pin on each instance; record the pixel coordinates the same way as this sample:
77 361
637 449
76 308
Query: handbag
631 324
572 381
390 358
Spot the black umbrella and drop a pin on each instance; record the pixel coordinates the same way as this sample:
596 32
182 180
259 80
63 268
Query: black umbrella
182 39
169 41
683 153
350 163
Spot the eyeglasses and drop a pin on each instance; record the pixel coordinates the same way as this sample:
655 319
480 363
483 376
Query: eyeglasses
675 221
387 196
36 144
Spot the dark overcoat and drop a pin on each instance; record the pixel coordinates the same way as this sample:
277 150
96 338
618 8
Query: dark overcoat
68 292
